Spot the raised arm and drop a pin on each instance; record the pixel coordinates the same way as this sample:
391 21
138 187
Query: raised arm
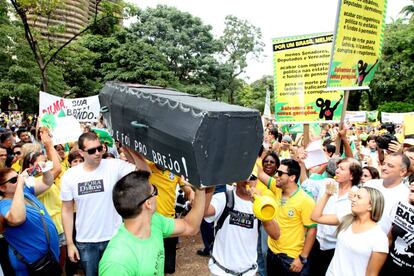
17 212
136 158
317 216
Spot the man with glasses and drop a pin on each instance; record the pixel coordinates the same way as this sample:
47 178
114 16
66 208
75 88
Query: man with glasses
137 248
288 255
89 185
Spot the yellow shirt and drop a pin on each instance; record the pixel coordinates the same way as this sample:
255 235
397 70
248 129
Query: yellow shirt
166 183
52 202
16 166
293 217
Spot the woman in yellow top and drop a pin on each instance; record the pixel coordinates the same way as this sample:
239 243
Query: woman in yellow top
270 164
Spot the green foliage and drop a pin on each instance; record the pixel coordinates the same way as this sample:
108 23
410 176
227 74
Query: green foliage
394 79
239 42
398 107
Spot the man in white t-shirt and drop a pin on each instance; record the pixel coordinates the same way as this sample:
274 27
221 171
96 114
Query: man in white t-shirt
89 185
235 244
391 185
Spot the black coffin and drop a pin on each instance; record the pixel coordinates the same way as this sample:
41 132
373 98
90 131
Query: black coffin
208 142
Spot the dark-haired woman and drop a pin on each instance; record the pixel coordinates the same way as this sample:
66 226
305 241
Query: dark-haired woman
369 173
23 212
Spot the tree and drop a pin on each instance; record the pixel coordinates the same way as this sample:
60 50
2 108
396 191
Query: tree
394 79
398 107
186 44
19 77
408 11
254 95
240 41
46 51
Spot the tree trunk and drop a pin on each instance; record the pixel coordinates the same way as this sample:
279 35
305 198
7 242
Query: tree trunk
371 101
354 100
44 86
4 104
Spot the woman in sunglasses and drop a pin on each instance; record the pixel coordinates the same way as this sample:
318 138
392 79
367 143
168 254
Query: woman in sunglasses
25 216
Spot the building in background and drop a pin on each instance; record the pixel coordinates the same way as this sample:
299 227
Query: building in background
66 21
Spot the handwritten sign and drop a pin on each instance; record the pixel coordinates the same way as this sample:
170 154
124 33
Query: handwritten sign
83 109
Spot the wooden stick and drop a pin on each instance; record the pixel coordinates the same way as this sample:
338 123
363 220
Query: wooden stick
341 122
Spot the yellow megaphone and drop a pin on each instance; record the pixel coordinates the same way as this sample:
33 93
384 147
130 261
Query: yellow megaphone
264 206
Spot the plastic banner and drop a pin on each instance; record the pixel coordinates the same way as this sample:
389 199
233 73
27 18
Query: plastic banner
356 116
301 66
83 109
357 44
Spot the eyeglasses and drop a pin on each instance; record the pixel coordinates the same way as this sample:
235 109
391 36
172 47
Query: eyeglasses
93 150
17 152
12 180
280 173
154 193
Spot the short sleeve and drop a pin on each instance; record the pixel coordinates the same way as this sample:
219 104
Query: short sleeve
218 202
113 268
380 241
4 206
312 186
308 205
30 184
65 190
166 224
123 167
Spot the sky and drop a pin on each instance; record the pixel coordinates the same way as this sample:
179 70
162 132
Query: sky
275 18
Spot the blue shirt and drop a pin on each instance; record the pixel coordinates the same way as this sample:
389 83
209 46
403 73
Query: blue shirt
29 238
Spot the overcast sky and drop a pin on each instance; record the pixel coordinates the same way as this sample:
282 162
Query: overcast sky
276 18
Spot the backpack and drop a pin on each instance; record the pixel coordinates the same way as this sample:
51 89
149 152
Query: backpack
227 209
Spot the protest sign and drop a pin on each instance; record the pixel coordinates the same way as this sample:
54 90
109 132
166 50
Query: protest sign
301 66
357 44
356 116
63 129
187 135
83 109
408 124
396 118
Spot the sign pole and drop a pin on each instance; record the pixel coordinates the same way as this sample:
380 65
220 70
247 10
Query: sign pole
341 122
305 135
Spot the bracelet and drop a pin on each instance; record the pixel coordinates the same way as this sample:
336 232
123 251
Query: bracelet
268 182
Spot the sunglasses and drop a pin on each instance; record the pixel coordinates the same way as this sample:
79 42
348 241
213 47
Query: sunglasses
17 152
269 161
280 173
93 150
252 178
154 193
12 180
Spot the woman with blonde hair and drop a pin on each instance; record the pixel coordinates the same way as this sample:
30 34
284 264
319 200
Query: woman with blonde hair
362 246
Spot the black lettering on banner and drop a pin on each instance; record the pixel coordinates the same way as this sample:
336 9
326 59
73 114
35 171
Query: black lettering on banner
90 187
241 219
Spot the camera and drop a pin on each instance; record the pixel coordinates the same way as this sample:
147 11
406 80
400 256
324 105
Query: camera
384 140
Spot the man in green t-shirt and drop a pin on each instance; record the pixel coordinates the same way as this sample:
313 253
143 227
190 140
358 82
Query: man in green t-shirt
137 248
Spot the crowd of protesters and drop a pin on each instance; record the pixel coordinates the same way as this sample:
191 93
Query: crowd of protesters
93 207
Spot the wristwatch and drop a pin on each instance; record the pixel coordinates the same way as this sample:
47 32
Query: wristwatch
303 260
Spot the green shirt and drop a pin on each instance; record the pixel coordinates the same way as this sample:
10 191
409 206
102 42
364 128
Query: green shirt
128 255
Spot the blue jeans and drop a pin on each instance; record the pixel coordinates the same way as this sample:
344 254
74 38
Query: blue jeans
262 251
90 255
279 264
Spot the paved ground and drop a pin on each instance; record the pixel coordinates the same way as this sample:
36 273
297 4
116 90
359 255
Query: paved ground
188 262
